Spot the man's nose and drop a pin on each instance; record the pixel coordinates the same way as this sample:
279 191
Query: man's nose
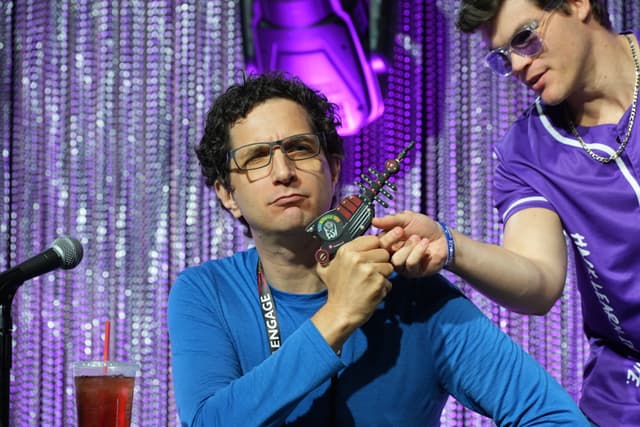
519 62
283 167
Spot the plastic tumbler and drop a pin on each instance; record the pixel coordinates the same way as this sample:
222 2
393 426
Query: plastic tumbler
104 392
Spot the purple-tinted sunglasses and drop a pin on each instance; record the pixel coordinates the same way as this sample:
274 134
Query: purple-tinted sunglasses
526 42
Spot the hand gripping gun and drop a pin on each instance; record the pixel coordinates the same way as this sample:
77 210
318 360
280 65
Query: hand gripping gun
352 217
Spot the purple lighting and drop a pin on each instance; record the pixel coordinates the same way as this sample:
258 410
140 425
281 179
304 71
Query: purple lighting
101 103
317 41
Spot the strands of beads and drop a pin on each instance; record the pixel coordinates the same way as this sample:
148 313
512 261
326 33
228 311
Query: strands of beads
105 102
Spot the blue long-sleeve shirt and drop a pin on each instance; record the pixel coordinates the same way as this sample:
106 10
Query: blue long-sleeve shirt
426 341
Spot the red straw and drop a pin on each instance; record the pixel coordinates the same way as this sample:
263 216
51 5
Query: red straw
107 338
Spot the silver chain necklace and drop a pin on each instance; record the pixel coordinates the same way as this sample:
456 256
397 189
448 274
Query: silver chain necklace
632 115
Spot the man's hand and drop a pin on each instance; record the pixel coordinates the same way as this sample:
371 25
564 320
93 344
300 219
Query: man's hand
417 243
357 281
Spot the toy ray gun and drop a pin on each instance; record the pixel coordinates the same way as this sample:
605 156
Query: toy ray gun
353 215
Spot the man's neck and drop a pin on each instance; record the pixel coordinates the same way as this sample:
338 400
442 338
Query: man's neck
288 262
608 89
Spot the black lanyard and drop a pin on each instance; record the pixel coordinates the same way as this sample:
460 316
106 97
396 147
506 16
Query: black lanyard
270 317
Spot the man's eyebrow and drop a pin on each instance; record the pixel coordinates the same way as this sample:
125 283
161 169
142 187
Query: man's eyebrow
525 23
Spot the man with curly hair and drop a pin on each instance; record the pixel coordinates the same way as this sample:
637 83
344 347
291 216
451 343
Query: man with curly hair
268 337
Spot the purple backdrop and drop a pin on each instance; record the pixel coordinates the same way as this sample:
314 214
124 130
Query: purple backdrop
101 103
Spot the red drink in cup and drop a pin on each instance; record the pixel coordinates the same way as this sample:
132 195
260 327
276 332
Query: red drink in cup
104 393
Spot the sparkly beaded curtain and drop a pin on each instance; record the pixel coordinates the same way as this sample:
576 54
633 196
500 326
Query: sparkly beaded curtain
101 103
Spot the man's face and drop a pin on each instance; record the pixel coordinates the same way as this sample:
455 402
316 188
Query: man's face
285 195
553 73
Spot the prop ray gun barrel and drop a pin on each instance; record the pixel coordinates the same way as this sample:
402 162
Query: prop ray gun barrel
352 217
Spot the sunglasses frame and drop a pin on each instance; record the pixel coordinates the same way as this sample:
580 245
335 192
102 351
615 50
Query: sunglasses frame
504 52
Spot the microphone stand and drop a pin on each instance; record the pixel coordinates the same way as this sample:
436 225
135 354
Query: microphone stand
8 288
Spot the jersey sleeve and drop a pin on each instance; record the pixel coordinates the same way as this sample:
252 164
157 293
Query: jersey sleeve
511 192
485 370
210 387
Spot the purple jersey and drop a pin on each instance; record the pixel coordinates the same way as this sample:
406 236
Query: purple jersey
541 164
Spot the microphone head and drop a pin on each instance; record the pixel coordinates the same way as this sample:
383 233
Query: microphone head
69 250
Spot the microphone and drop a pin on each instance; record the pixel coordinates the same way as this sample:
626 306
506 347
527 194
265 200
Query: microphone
65 252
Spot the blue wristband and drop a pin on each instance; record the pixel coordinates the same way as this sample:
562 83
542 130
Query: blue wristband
451 245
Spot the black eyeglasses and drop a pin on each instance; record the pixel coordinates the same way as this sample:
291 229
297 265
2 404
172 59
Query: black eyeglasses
296 147
526 42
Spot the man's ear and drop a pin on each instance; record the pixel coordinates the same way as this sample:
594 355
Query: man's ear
582 8
335 163
225 195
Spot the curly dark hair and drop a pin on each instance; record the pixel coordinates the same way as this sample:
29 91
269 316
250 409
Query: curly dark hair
474 14
241 98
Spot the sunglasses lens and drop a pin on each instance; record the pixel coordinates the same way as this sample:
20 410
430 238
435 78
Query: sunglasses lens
498 60
526 43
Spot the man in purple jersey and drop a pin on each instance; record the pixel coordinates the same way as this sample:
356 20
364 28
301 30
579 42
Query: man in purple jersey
570 164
